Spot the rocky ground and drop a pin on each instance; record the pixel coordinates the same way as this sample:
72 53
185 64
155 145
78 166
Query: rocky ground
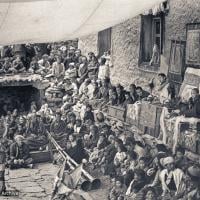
37 183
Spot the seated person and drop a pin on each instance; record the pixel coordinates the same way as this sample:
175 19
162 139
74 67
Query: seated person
181 161
71 72
7 65
88 114
67 86
19 154
118 191
164 90
171 178
192 191
191 114
44 64
104 92
17 66
36 133
120 94
83 86
34 66
132 91
141 94
58 129
113 96
78 152
120 156
150 193
128 100
193 109
136 184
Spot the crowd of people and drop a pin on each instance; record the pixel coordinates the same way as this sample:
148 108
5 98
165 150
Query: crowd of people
137 170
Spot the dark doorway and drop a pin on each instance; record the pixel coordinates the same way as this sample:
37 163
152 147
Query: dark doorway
104 41
19 97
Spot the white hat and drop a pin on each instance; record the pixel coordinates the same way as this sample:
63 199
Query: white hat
167 160
19 137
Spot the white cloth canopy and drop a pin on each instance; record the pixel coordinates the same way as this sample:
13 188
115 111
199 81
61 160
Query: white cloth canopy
39 21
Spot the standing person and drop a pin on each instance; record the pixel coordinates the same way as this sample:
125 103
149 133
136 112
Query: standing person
58 69
104 71
83 70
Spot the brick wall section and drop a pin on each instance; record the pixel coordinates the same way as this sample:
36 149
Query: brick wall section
126 41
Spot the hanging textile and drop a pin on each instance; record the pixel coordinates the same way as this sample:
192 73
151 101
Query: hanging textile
40 21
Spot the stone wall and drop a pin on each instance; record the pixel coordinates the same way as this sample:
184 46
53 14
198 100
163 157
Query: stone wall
126 41
125 50
180 13
88 43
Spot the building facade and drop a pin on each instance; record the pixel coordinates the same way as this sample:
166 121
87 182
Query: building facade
132 42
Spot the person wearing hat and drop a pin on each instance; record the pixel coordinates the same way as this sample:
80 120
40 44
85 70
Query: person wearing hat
19 154
172 179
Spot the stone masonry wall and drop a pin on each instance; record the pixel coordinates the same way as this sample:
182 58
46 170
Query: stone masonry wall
126 41
180 13
125 50
88 43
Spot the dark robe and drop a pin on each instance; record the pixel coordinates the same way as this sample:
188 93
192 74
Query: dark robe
58 131
36 135
194 107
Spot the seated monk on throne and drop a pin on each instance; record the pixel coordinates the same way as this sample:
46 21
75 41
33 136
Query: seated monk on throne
36 133
190 113
58 129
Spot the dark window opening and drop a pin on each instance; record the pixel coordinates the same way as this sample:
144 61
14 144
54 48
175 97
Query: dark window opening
152 30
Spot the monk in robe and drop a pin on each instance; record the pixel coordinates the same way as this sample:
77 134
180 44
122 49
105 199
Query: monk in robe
58 129
36 133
